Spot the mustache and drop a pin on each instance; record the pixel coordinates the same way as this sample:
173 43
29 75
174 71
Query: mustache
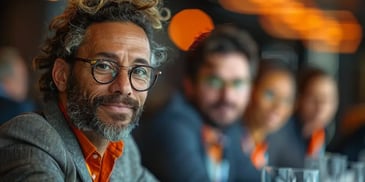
116 98
223 103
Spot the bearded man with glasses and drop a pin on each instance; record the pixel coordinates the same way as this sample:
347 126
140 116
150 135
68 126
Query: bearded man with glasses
98 65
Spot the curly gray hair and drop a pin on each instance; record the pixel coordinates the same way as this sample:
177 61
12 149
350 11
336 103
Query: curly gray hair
68 31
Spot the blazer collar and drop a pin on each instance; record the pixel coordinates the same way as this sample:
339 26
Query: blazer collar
55 117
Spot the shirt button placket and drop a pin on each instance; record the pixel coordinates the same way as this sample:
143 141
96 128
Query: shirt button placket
93 176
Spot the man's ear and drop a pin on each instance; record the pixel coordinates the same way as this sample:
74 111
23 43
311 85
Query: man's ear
60 73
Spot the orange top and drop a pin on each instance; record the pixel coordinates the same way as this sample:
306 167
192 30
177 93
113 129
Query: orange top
256 151
258 155
316 142
100 167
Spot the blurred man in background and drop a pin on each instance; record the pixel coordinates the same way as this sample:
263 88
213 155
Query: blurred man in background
13 84
196 137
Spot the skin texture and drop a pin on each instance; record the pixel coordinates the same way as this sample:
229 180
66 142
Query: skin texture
222 106
318 103
271 103
115 105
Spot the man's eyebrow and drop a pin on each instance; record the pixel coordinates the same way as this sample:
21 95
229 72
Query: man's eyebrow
116 58
108 55
141 61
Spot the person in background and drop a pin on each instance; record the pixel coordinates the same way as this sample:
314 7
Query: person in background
98 64
13 84
270 106
196 136
304 136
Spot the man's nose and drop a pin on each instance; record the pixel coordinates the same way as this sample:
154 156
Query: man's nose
122 83
228 92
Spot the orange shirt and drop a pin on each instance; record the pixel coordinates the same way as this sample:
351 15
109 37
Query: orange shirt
257 151
316 143
213 139
259 155
216 164
100 167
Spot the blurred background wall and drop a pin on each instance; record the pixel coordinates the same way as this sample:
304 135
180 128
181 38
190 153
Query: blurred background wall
327 33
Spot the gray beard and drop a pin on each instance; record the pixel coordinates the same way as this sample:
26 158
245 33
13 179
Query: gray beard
82 112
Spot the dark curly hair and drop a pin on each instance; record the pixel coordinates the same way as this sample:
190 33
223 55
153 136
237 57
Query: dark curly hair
307 75
266 65
69 28
223 39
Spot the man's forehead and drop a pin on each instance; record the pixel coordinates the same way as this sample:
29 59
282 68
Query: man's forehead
225 62
123 32
128 39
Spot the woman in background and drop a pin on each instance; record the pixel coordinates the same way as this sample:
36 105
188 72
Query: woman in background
304 135
271 104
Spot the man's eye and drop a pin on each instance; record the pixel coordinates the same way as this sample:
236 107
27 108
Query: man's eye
238 83
214 82
269 94
141 72
104 66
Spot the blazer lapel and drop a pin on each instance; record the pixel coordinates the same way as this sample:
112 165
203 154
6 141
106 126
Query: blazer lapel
56 119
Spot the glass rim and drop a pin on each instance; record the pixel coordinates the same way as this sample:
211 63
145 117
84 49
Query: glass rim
153 77
289 168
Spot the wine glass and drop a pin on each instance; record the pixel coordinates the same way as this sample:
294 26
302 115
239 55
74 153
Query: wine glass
280 174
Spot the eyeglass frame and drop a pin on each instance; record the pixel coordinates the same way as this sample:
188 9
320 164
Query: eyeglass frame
93 62
224 83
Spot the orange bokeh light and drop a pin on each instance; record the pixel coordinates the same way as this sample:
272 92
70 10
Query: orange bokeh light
186 25
337 31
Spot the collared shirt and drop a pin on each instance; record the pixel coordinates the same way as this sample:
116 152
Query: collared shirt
316 143
257 152
214 142
99 167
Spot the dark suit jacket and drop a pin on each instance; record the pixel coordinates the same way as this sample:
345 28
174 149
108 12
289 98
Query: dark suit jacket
352 145
287 147
43 148
172 148
10 108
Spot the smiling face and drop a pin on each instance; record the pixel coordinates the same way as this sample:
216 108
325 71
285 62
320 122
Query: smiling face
222 89
272 100
112 109
318 103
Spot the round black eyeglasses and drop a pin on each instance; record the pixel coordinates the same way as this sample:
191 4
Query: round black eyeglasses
104 71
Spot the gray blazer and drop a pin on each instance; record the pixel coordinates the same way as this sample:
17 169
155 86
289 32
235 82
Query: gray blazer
43 148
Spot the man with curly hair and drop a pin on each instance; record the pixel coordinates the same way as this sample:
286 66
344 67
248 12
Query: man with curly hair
98 64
